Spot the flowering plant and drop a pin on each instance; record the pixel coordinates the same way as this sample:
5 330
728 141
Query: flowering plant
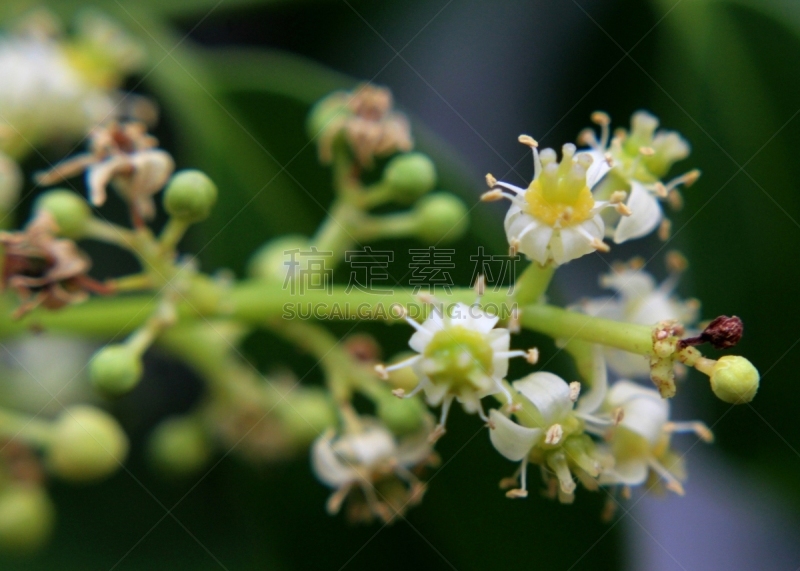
599 434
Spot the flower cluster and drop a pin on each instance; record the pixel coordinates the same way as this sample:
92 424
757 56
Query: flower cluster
370 430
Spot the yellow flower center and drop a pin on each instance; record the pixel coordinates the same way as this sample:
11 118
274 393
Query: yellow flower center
563 204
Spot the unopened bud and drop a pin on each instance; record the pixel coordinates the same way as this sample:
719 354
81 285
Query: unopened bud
722 333
308 413
69 210
441 218
401 415
734 379
410 176
88 444
179 446
190 196
279 258
26 517
115 369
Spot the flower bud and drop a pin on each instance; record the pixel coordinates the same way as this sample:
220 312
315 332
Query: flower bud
323 115
69 210
410 176
401 416
307 414
179 446
115 369
734 379
88 444
26 517
441 218
275 260
190 196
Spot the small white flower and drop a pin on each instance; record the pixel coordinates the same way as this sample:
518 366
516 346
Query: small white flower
461 356
639 159
640 442
551 430
556 219
638 300
55 89
372 460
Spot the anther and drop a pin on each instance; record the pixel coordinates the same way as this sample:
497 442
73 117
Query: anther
532 356
554 435
382 372
617 415
399 393
664 230
600 118
618 196
528 140
647 151
676 262
492 195
490 180
599 245
574 391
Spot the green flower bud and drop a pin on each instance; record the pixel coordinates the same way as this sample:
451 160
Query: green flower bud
190 196
273 260
115 369
307 414
734 379
88 444
179 446
322 115
441 218
26 517
70 211
401 416
410 176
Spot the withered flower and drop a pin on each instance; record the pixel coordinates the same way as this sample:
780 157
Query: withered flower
366 119
45 270
124 155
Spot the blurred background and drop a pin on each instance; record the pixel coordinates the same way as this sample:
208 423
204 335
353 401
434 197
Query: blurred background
235 79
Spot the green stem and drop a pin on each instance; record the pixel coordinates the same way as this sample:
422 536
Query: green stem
15 425
337 233
567 325
532 284
172 234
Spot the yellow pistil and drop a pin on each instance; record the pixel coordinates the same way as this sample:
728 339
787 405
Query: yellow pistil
567 211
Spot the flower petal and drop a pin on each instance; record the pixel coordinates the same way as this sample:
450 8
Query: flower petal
645 215
509 438
549 393
326 465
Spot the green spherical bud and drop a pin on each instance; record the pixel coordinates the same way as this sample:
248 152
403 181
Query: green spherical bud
401 416
190 196
179 446
275 259
410 176
115 369
441 218
26 517
734 379
324 112
69 210
307 414
88 444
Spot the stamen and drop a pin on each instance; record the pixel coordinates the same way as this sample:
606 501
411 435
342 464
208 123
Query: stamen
670 481
675 199
660 190
528 141
382 372
491 182
665 230
574 391
522 491
554 434
492 196
698 428
676 262
514 323
599 245
532 356
617 197
622 209
479 287
513 247
558 462
647 151
617 415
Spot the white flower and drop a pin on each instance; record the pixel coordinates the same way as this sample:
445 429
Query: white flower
54 89
371 459
552 430
460 356
638 300
556 219
639 159
640 442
